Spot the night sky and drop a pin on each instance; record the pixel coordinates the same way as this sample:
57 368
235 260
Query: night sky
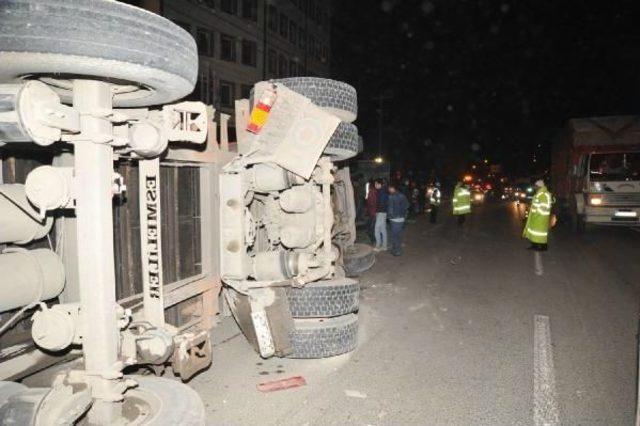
464 80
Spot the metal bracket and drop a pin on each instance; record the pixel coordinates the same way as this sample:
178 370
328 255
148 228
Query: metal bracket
186 121
192 354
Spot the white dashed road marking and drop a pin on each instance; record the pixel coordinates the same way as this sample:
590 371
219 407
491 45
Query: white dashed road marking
538 267
545 405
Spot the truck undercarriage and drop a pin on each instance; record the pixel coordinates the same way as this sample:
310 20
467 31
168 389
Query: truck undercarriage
123 215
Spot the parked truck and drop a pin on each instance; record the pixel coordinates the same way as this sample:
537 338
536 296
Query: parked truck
595 171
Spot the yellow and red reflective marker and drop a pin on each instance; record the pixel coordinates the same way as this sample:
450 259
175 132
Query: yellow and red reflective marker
261 111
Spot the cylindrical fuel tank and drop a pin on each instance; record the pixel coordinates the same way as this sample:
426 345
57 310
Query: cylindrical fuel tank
18 222
27 274
275 265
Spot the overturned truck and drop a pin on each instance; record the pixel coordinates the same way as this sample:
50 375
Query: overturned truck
123 215
285 286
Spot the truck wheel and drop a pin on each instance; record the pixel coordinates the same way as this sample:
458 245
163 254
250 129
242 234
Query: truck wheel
334 96
153 60
344 143
324 298
358 259
159 401
323 338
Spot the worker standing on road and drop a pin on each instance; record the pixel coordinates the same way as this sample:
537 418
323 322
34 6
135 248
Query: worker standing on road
434 202
397 213
380 229
536 228
461 202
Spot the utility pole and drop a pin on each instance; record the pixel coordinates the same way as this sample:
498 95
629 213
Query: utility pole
380 110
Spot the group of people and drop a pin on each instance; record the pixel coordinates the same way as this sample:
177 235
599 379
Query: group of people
389 203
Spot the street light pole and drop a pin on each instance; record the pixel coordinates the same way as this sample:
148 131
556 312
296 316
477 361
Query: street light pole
380 100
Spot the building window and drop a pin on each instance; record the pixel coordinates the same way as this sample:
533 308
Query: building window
249 53
314 11
211 4
312 46
227 48
185 26
293 68
302 38
250 9
284 25
273 62
293 32
325 19
229 6
205 43
282 66
273 18
245 91
227 94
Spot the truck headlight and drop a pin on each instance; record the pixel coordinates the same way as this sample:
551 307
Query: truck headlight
595 200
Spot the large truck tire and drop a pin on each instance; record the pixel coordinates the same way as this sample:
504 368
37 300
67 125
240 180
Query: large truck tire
334 96
344 143
154 60
358 259
159 401
323 338
320 299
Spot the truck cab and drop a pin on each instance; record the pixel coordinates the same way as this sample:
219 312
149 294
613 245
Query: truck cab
596 171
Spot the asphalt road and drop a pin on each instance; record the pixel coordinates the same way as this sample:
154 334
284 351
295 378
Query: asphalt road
467 328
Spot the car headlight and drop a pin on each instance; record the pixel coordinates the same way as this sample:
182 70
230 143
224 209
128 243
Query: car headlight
595 200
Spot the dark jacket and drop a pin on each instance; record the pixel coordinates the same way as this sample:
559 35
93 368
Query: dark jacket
372 202
398 205
382 200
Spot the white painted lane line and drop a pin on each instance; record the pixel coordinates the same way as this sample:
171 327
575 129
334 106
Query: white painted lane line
538 267
545 405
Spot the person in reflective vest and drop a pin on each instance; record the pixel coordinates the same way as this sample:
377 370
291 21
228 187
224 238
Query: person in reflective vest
434 202
461 202
536 229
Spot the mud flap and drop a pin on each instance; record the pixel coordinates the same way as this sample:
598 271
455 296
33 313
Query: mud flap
278 319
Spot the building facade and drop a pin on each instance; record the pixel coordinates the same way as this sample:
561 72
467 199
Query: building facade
241 42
